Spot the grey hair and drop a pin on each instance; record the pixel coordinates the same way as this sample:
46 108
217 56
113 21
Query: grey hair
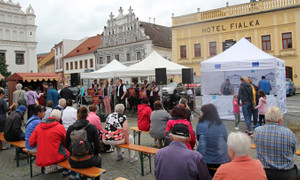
56 114
120 108
19 86
179 137
240 143
273 114
62 102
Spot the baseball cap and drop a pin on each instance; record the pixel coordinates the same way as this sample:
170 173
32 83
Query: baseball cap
181 130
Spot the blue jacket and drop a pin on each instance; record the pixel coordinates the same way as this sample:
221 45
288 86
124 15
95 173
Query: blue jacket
265 85
212 142
53 95
33 122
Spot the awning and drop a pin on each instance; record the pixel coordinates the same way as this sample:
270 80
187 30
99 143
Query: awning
33 77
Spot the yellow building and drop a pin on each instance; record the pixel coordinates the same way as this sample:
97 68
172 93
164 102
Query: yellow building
46 63
271 25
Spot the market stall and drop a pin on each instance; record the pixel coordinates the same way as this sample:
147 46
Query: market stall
33 79
242 59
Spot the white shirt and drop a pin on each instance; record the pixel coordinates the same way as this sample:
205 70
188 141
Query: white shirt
156 90
69 117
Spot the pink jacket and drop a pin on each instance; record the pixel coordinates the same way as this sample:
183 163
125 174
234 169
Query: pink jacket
95 120
236 107
262 105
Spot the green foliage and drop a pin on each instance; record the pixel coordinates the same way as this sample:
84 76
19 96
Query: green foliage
3 67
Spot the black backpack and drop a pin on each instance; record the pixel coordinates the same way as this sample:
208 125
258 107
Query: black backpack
80 145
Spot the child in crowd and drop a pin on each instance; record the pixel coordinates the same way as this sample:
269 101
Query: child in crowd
236 112
262 106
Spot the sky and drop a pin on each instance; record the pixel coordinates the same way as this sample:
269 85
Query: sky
76 19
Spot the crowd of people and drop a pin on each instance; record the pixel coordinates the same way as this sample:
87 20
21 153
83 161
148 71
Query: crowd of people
59 131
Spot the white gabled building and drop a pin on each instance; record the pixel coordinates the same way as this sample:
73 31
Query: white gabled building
18 37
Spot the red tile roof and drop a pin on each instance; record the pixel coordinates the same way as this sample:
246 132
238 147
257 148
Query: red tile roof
33 77
87 47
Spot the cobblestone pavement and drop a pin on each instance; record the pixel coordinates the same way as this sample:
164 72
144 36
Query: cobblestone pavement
9 171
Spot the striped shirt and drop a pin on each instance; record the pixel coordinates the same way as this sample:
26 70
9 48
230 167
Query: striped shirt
275 146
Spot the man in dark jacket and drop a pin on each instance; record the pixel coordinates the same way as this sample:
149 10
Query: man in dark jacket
246 97
12 128
93 157
66 93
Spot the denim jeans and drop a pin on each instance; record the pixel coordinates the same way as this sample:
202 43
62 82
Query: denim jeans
246 108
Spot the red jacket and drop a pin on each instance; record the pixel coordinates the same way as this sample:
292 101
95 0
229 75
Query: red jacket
144 113
171 124
50 138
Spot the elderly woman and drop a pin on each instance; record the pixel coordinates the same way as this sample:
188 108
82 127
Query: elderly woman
19 95
238 151
116 132
159 118
179 116
211 133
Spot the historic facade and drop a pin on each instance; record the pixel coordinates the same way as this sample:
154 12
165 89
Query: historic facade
18 37
128 40
272 25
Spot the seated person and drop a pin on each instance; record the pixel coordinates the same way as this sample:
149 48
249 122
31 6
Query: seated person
87 153
12 128
49 109
144 113
32 123
176 161
116 132
238 150
276 146
183 101
50 137
93 118
70 115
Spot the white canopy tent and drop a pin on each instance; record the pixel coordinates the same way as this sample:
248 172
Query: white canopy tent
107 71
242 59
147 67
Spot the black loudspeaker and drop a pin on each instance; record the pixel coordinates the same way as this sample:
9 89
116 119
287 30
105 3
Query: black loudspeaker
187 76
75 79
161 76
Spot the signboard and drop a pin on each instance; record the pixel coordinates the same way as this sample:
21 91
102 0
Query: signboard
142 93
96 100
91 91
100 92
131 92
228 44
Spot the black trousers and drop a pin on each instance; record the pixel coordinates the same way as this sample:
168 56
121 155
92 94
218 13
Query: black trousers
292 174
30 111
262 119
121 101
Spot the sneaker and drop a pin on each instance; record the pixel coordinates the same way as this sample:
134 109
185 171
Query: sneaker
66 173
133 160
120 158
237 128
74 177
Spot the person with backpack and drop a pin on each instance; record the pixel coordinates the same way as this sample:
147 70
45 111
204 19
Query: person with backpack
38 115
82 140
12 128
19 95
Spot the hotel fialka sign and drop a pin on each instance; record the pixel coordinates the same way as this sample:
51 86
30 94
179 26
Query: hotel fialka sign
231 26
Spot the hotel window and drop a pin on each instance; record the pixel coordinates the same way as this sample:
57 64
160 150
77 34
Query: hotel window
71 65
266 43
91 63
2 53
80 64
108 59
117 57
19 58
127 56
287 40
182 51
197 49
85 64
212 48
138 55
248 38
67 66
76 65
100 60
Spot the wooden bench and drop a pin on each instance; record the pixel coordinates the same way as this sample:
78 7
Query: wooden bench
92 172
143 152
18 145
138 132
297 152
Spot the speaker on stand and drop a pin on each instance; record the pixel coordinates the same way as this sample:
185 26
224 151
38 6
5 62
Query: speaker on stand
75 79
188 78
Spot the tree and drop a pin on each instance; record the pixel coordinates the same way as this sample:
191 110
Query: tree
3 67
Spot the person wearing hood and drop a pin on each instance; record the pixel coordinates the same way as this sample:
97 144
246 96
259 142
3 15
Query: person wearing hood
262 106
50 137
92 157
12 128
246 97
144 113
